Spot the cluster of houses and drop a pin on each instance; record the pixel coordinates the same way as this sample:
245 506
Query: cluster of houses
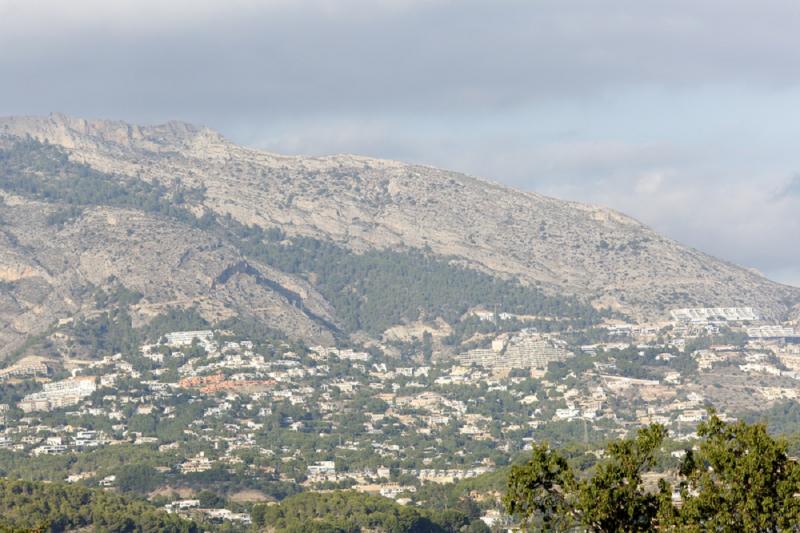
241 388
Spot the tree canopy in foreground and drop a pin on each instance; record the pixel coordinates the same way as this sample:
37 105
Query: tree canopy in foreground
738 478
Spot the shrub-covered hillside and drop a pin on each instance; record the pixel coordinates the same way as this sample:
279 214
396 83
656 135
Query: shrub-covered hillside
37 506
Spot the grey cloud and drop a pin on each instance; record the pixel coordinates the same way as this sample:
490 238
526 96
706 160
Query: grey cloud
791 189
308 57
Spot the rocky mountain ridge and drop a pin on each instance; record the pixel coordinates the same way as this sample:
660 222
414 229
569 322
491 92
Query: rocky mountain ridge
359 203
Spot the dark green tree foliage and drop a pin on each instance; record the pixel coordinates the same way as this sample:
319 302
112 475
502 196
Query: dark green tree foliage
644 363
107 333
614 499
209 500
544 493
739 479
376 289
140 478
783 418
725 336
116 295
11 393
29 506
174 319
539 491
350 512
427 346
112 331
43 171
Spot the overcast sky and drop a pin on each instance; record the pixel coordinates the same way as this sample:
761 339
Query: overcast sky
682 113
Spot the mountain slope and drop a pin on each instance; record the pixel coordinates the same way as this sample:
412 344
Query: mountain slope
358 203
56 270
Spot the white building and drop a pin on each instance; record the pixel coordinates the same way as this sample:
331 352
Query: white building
771 332
59 394
566 414
185 338
525 349
700 315
322 468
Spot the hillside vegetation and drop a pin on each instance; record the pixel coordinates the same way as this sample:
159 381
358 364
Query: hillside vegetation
37 506
369 291
353 512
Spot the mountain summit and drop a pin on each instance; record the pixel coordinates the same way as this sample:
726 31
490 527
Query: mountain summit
180 216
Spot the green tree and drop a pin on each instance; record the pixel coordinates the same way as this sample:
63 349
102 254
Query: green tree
614 498
210 500
139 478
427 346
545 493
37 506
740 479
541 492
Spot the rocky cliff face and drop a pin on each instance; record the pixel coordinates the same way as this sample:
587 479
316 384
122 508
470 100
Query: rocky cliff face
593 252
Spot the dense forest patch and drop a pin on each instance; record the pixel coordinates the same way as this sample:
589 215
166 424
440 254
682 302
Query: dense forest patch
29 506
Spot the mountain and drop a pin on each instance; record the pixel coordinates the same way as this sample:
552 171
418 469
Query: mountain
317 248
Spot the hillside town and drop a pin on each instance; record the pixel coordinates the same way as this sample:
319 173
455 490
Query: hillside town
206 404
